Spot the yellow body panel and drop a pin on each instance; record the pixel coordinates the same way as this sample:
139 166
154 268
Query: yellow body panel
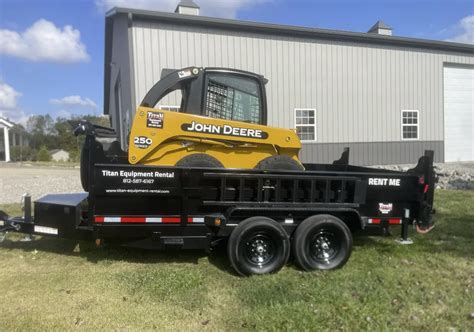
163 138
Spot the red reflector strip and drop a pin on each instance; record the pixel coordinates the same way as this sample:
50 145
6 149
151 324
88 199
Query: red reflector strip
170 220
425 190
136 220
395 221
373 221
132 220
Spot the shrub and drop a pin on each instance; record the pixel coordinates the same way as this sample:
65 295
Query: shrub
22 153
43 154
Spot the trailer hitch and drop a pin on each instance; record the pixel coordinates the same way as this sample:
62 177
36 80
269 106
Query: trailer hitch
6 225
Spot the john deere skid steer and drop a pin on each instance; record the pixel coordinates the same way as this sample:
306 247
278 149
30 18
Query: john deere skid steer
221 123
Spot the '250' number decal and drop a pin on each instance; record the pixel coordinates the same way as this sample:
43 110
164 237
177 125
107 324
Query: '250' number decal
142 142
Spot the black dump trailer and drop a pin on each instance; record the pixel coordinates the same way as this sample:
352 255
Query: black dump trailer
262 215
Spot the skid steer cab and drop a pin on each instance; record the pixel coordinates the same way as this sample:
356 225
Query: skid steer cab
221 123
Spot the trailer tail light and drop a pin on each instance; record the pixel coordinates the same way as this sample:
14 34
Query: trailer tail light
426 188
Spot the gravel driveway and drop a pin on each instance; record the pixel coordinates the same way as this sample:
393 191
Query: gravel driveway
15 180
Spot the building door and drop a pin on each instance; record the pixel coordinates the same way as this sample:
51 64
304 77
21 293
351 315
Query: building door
458 113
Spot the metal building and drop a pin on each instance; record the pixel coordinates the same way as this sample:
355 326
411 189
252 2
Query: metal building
387 98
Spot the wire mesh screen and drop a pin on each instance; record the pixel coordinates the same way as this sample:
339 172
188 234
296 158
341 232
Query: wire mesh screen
233 98
220 100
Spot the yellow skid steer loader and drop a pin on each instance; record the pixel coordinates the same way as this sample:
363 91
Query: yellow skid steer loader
221 122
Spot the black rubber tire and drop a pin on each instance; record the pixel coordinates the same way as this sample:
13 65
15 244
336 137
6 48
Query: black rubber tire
84 168
199 160
241 246
279 162
316 233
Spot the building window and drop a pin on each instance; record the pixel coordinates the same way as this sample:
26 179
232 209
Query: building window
305 121
170 108
410 122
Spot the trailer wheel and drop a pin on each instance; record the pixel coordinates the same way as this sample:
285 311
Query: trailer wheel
258 245
322 242
199 160
279 162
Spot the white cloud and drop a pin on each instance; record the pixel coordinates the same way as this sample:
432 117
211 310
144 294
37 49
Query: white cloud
9 108
43 41
220 8
8 97
466 33
75 101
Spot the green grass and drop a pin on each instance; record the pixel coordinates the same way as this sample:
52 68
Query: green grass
428 286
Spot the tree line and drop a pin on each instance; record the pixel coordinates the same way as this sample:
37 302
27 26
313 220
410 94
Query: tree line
44 134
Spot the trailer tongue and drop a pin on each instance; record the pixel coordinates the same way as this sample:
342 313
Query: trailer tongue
264 214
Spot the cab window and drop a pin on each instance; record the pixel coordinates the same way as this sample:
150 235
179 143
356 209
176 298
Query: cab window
233 97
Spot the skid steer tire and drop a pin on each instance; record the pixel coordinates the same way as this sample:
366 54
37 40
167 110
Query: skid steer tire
280 162
199 160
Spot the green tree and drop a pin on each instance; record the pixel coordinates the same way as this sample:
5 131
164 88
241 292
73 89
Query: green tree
43 154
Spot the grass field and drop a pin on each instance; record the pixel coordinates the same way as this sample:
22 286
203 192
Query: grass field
428 286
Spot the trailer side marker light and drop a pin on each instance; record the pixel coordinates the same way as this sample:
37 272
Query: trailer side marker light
46 230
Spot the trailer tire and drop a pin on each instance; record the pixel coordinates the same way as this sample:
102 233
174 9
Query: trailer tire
322 242
199 160
279 162
258 245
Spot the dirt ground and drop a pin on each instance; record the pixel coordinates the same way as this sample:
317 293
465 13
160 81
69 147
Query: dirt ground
16 179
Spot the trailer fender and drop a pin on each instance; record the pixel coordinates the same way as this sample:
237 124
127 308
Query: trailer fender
351 217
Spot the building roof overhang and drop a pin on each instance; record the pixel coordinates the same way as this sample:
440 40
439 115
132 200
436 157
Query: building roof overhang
271 29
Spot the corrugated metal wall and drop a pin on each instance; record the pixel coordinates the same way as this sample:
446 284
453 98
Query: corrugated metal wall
358 90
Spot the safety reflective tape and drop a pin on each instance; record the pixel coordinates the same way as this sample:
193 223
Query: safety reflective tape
46 230
196 220
378 221
373 221
395 221
136 220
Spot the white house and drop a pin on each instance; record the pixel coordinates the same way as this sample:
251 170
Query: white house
5 127
59 155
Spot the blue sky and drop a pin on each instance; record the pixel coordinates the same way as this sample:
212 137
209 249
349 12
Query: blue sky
52 50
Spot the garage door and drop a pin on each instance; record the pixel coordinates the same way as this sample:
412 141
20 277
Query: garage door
458 114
